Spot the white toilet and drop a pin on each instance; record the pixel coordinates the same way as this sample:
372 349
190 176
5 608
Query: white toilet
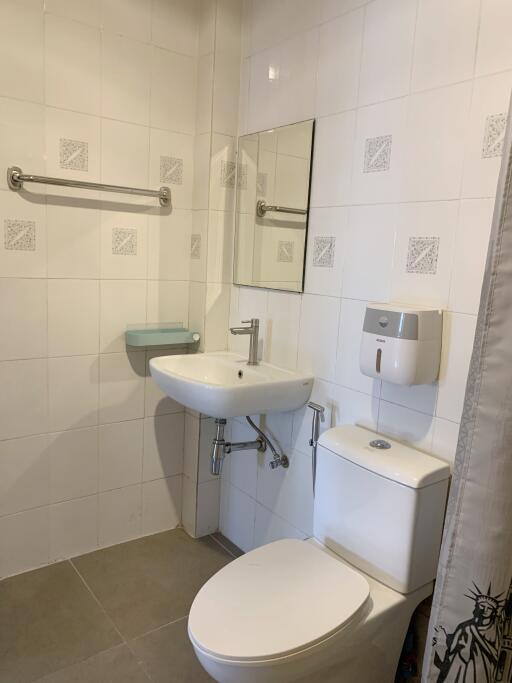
336 607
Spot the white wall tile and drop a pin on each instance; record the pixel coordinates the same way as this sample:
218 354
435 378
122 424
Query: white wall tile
208 504
444 444
73 317
72 392
130 18
73 528
24 474
119 515
494 51
332 160
124 153
458 336
484 148
21 136
216 316
348 372
23 318
420 397
283 328
406 425
169 245
22 22
121 386
220 246
445 42
173 73
175 25
120 454
24 410
191 446
24 541
387 50
318 335
436 138
471 244
238 513
73 464
73 241
72 65
156 402
88 13
167 302
328 9
264 90
161 504
436 220
81 133
243 465
370 243
125 78
163 446
269 528
339 57
189 505
123 303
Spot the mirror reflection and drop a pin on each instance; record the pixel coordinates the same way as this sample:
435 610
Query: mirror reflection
274 171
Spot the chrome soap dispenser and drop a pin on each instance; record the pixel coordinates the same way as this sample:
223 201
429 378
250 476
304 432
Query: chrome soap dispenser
401 344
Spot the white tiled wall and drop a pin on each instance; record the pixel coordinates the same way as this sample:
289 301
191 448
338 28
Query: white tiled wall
410 98
91 453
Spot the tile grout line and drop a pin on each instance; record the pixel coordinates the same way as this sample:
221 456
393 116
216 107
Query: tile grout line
96 599
218 542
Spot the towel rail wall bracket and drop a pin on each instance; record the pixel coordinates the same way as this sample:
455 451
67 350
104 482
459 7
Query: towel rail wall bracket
16 178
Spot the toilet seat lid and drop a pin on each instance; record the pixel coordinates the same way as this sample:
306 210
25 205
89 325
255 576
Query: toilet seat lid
275 600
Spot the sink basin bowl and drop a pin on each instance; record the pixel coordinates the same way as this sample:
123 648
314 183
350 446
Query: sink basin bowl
223 385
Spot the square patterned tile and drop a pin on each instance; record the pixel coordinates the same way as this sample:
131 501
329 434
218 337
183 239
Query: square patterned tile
195 247
124 241
19 235
285 251
48 621
241 180
323 252
261 183
377 154
422 255
74 154
151 581
171 170
227 173
494 136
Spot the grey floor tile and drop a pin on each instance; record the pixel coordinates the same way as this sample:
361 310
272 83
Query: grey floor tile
113 666
49 620
169 656
151 581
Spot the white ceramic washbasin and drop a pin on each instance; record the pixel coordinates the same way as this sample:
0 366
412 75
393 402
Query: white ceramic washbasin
223 385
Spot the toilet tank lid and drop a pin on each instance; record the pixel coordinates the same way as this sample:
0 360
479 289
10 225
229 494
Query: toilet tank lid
399 463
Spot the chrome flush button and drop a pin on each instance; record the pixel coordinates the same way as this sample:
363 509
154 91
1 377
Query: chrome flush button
382 444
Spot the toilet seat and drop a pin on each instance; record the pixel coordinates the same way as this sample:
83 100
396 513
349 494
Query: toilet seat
274 601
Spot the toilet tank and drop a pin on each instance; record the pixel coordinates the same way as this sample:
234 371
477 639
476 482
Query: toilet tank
382 509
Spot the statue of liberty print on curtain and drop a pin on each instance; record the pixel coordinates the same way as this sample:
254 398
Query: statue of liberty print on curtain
482 643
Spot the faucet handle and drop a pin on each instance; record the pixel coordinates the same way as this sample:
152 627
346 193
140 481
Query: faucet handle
252 321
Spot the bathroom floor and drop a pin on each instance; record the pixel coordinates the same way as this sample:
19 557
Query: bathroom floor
117 615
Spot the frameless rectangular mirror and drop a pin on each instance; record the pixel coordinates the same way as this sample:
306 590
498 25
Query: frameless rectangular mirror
272 207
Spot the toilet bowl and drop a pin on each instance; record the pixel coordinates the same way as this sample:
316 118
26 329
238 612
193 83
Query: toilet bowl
334 608
294 611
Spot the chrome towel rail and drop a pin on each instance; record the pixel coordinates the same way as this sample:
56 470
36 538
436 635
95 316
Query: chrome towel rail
16 178
262 208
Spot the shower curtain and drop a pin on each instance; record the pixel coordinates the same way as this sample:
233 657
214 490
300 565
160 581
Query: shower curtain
470 629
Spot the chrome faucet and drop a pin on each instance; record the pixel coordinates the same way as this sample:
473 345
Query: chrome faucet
253 329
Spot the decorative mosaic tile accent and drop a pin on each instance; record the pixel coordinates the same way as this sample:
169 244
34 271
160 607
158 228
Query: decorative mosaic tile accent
171 170
494 136
195 247
422 255
74 154
124 241
241 178
377 154
227 173
19 235
323 252
261 184
285 251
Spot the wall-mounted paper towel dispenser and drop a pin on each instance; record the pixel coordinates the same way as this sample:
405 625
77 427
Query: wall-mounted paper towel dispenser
401 344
